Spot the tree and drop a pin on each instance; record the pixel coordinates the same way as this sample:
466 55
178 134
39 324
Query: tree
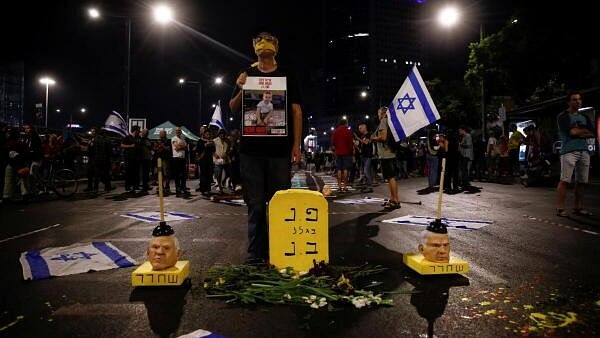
536 57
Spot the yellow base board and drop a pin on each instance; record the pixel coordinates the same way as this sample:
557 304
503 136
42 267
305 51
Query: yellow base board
417 262
145 276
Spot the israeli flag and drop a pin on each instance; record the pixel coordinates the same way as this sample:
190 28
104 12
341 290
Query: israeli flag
73 259
216 118
201 334
116 123
412 107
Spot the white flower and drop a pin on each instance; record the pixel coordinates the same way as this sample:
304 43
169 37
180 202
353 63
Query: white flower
313 297
287 296
283 271
359 302
314 305
302 273
322 302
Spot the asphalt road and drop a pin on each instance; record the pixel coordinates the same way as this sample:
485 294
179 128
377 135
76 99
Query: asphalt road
532 273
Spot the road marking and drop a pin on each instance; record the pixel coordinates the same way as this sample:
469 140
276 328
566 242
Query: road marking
29 233
574 228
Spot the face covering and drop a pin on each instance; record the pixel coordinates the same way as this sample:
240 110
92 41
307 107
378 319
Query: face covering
262 43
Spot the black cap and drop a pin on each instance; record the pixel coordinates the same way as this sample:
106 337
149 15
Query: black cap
437 227
163 229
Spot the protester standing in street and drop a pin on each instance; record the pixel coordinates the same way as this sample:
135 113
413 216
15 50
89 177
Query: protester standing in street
133 155
178 147
574 129
387 158
343 147
265 159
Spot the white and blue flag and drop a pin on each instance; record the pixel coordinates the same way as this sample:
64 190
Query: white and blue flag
201 334
73 259
116 123
412 107
217 120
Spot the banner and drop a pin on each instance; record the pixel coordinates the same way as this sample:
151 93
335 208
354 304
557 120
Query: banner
73 259
412 107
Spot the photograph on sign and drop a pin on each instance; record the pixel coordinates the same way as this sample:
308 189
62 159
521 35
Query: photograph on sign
264 105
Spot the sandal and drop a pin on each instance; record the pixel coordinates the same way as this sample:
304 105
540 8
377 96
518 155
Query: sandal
561 213
392 206
582 212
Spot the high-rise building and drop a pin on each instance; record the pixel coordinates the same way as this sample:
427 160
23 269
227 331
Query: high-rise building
370 46
12 93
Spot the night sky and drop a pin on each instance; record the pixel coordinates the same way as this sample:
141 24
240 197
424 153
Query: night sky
87 58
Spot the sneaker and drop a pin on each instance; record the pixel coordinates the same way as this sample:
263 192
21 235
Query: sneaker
561 213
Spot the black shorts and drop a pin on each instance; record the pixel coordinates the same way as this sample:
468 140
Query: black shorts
388 168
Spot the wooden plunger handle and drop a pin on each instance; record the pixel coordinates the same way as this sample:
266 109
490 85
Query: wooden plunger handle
160 191
441 193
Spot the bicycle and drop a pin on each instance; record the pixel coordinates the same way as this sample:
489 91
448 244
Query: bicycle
62 181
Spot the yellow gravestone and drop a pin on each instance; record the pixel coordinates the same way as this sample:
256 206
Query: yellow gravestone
298 229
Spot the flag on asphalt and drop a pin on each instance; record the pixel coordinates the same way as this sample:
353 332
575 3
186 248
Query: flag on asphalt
201 334
217 120
412 107
454 223
116 123
73 259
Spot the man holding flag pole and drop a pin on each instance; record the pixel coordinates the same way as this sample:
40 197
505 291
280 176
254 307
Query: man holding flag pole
411 109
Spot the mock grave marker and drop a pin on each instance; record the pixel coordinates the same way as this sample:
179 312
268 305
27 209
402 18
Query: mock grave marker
433 257
298 229
163 267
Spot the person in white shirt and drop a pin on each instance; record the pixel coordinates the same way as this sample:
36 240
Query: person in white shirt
221 158
179 146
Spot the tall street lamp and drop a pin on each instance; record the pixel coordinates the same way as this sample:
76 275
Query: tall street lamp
218 80
448 17
47 81
162 14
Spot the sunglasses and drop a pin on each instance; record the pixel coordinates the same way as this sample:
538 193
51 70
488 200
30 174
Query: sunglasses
268 38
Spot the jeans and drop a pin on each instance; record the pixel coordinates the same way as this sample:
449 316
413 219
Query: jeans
261 177
367 171
432 164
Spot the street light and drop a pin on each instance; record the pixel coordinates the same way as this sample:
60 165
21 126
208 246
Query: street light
94 13
448 17
182 81
83 110
47 81
218 80
162 13
363 94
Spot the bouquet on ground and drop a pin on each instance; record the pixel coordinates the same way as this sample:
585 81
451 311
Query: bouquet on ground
323 286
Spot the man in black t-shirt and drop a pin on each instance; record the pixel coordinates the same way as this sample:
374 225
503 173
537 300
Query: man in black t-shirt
366 155
265 156
131 145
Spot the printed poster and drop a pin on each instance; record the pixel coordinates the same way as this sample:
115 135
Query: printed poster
264 106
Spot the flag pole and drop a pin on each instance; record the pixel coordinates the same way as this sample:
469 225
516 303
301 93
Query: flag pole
438 216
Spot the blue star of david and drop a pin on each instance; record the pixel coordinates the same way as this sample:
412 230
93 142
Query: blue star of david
73 256
410 106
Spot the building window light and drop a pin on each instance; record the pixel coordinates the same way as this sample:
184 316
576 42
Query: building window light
394 60
406 62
